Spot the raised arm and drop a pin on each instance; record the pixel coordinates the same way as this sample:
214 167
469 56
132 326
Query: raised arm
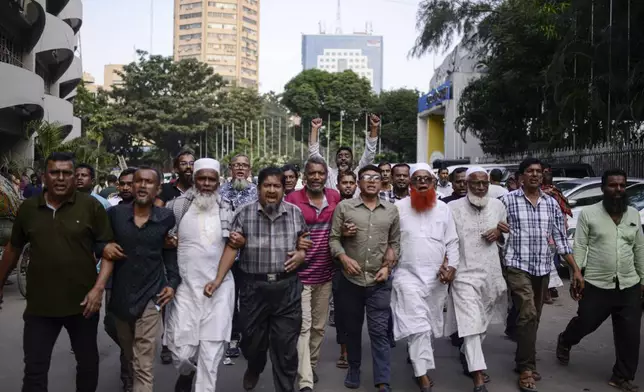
371 143
314 141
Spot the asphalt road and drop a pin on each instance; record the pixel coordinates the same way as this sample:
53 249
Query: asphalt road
589 370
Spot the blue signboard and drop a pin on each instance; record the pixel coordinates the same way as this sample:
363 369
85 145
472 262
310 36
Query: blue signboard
435 97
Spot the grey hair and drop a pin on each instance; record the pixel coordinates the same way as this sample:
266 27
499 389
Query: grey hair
317 161
240 156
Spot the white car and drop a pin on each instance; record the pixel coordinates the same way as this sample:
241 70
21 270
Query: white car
586 187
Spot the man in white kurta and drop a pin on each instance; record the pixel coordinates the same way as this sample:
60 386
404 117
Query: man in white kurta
479 292
419 293
198 327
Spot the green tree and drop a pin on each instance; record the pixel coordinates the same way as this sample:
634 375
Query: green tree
399 111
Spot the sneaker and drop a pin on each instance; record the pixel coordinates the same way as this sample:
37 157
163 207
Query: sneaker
352 380
233 350
623 385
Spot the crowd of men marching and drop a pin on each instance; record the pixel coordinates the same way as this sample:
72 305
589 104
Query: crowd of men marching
256 268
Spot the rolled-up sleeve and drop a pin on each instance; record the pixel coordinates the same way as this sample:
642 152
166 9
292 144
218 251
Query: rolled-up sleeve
335 238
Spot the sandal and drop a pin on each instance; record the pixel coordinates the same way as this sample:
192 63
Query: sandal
527 382
342 362
535 374
623 385
431 382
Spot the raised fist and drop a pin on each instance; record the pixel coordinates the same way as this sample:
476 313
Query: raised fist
374 120
316 123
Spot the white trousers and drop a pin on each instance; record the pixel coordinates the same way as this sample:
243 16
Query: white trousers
206 356
473 350
421 352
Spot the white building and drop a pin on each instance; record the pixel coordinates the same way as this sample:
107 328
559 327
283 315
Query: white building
438 110
333 60
39 70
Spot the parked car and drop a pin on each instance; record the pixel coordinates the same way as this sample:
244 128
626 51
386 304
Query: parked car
587 187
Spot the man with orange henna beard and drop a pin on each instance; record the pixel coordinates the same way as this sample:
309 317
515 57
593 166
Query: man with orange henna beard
428 261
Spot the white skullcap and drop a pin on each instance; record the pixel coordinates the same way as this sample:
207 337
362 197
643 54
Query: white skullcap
422 166
475 169
206 163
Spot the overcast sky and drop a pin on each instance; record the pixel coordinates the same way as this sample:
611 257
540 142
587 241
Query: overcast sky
112 29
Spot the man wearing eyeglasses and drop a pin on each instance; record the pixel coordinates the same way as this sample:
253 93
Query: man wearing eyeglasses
238 192
362 231
428 261
183 165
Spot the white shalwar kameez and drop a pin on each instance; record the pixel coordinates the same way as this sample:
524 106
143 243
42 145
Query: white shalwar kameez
198 327
418 297
478 296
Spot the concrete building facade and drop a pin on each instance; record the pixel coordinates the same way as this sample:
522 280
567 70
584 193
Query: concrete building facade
223 34
39 70
437 136
361 53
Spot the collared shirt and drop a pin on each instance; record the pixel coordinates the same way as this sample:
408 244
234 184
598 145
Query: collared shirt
269 238
148 266
390 196
377 230
452 197
369 154
530 228
444 191
62 268
613 255
319 263
238 198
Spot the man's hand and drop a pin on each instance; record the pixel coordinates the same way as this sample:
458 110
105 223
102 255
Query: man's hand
492 235
210 288
503 227
92 302
304 243
165 296
316 123
349 229
446 274
296 258
113 251
576 285
350 265
390 257
236 240
171 242
374 121
382 275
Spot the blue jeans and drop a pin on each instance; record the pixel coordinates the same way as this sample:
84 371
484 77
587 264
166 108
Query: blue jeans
375 300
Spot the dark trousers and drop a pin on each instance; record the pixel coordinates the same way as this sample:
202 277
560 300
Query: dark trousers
110 328
237 328
39 337
624 307
340 332
376 300
271 319
527 296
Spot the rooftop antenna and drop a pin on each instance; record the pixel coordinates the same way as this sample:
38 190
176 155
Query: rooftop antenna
338 20
322 27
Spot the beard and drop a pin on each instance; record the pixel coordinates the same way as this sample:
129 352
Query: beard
239 184
270 208
615 205
205 201
422 201
477 201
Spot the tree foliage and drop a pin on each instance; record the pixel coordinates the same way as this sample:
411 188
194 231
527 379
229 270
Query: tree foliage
398 109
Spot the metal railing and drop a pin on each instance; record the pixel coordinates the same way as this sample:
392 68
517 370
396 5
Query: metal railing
10 52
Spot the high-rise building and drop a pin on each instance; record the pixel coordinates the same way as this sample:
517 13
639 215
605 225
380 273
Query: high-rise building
361 53
110 77
39 69
224 34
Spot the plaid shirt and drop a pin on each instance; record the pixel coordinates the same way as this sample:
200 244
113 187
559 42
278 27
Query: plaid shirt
530 227
269 238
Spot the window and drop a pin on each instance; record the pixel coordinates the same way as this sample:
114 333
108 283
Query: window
220 58
228 79
222 15
223 68
250 42
250 31
223 26
248 71
225 47
249 20
188 37
189 47
190 6
248 62
191 16
249 82
190 26
249 51
223 6
189 56
251 2
249 11
222 36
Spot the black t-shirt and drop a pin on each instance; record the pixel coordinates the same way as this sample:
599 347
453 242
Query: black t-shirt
169 192
452 197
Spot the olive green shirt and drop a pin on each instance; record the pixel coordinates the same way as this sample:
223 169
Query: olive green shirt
610 253
62 266
377 230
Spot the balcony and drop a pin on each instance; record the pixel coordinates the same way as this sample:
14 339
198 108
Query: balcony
71 78
59 111
55 49
55 7
21 99
76 130
72 14
24 25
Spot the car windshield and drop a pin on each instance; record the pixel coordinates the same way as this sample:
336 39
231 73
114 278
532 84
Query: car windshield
636 196
567 185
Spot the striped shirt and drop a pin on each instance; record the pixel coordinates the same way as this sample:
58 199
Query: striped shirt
527 246
319 263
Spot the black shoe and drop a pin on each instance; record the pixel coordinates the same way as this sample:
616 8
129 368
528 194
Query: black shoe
306 389
563 351
315 377
554 293
166 355
352 380
184 383
250 380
